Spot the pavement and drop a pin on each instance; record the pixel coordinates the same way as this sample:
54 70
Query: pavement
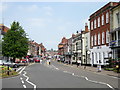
94 69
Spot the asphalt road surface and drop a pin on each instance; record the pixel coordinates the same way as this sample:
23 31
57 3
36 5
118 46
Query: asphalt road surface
58 75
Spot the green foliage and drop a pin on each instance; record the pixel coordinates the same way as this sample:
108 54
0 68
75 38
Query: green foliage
15 42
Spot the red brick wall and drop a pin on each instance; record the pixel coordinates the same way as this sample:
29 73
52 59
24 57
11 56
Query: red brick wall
102 28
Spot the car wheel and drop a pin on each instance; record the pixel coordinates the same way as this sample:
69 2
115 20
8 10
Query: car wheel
15 66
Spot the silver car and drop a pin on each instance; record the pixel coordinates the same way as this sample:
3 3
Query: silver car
7 62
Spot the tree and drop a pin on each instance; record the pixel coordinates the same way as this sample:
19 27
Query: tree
15 42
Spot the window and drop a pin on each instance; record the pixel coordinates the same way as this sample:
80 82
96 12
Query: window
95 23
73 47
107 36
99 56
98 21
103 37
95 39
118 18
103 56
107 17
92 25
91 40
102 19
96 57
79 45
92 58
98 38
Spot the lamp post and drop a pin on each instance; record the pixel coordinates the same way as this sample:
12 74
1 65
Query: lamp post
86 56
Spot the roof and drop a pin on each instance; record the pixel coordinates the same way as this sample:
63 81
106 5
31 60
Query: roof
3 28
105 7
116 6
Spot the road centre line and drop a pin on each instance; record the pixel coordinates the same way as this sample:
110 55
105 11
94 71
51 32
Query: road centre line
24 86
29 81
55 67
86 78
22 80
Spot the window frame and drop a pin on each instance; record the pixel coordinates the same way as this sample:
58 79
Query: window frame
107 17
98 21
102 19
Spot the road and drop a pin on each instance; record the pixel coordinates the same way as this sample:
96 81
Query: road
58 75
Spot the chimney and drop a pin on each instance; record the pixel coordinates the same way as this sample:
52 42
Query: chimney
73 35
86 27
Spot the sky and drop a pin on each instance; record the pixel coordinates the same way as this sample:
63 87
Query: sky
49 22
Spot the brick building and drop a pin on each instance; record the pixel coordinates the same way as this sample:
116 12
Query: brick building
99 34
36 49
61 46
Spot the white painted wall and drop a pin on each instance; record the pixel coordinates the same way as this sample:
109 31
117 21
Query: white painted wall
115 24
102 49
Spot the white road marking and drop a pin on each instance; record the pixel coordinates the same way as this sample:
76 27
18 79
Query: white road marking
18 69
106 75
110 86
100 73
86 78
73 74
65 71
29 81
22 70
21 78
24 86
99 82
76 75
22 82
57 68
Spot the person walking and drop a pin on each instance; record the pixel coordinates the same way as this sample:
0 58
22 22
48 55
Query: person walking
78 62
49 61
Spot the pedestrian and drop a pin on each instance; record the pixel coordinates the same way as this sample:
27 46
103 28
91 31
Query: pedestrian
40 61
49 61
117 68
78 62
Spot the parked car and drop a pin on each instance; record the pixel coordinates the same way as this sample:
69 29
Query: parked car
37 60
23 62
7 62
31 60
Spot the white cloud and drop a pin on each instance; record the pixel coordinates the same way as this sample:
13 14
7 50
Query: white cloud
31 8
49 13
38 22
48 8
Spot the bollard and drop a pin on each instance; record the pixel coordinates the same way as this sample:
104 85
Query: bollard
8 71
